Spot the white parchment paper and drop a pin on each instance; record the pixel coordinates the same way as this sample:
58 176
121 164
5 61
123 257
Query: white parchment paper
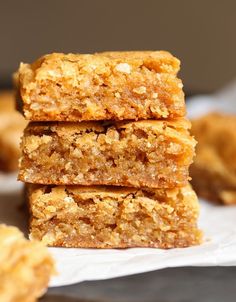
76 265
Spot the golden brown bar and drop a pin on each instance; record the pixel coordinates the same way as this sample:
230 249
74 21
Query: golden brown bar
144 153
103 86
214 168
25 267
12 125
113 217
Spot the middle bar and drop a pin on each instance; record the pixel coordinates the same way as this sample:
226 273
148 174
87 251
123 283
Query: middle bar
154 154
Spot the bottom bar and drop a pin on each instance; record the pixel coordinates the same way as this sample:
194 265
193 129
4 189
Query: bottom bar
108 217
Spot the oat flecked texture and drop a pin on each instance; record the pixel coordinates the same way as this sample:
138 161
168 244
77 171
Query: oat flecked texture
103 86
154 154
113 217
106 154
25 267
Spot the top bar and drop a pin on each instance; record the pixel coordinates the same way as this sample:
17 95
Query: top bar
103 86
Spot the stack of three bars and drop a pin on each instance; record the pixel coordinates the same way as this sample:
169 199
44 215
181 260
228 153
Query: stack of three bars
107 152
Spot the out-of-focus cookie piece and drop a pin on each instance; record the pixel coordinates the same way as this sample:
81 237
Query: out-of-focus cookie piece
12 125
214 169
7 102
25 267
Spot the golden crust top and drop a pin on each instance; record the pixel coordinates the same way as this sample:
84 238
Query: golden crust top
178 128
98 126
75 65
183 194
180 123
100 63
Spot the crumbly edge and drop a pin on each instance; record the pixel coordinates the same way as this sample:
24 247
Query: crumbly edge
176 127
160 61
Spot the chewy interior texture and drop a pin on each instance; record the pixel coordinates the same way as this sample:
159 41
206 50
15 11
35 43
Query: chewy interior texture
112 217
139 154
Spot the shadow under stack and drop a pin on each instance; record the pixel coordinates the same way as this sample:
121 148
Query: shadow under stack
107 151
